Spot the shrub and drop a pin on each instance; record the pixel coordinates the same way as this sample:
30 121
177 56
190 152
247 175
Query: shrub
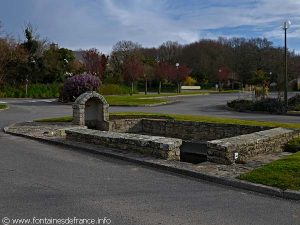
189 81
294 103
293 145
269 105
240 105
265 105
34 91
115 89
78 84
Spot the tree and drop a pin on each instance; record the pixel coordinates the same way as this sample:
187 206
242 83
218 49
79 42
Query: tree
169 52
148 75
260 79
35 49
178 75
95 62
222 76
161 72
55 64
121 51
133 70
13 61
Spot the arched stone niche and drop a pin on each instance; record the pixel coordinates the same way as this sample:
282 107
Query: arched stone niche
91 109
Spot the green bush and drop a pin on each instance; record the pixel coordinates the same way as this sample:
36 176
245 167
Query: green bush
115 89
294 103
293 145
34 91
270 105
265 105
240 105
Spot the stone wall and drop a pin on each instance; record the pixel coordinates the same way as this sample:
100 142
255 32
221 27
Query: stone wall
267 141
186 130
126 125
165 148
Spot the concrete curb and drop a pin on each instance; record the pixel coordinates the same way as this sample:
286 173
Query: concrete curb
146 105
171 166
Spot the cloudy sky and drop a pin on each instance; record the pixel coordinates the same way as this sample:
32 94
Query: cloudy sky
101 23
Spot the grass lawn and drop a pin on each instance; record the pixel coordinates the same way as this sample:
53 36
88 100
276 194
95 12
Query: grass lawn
283 173
134 100
210 119
3 106
142 99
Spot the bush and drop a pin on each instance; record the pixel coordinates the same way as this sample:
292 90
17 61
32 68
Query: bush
294 103
34 91
293 145
189 81
78 84
115 89
269 105
240 105
265 105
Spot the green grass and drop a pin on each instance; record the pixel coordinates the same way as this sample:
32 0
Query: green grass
142 99
134 100
210 119
3 106
56 119
283 173
34 91
224 91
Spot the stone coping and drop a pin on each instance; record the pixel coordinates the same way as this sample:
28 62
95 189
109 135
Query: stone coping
248 145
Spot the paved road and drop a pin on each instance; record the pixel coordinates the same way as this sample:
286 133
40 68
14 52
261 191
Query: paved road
39 180
211 105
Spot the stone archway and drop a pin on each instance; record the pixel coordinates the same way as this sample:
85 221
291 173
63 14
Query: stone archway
91 109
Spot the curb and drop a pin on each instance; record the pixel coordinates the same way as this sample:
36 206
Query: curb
171 166
145 105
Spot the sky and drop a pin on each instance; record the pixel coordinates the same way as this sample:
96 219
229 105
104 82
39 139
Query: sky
83 24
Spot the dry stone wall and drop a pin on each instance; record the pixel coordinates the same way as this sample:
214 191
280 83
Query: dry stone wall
165 148
267 141
186 130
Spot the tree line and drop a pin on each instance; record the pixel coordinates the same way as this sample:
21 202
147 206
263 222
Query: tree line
205 62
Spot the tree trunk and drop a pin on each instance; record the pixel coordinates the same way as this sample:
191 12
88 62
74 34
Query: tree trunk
131 88
159 87
146 87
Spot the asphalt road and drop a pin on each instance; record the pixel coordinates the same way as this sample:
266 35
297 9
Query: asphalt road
40 180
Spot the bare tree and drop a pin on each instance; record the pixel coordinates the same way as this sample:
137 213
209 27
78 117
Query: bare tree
169 52
121 51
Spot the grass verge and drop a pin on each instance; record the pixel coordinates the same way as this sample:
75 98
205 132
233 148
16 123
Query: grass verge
283 173
3 106
209 119
134 100
141 99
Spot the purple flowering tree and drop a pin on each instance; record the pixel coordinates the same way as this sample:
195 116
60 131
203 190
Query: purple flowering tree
78 84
